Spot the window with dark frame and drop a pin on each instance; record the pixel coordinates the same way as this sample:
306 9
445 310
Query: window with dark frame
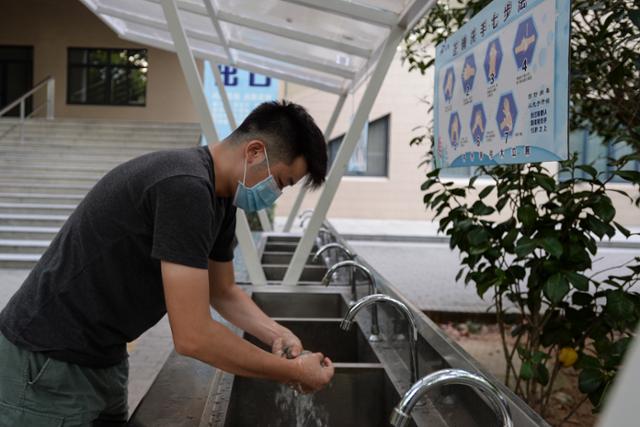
107 76
377 157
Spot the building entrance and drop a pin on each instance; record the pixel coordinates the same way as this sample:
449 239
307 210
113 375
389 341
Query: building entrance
16 76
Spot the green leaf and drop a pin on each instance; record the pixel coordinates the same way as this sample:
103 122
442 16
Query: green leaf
427 184
598 227
556 288
542 374
590 380
625 232
526 370
478 236
501 203
510 238
553 246
588 169
525 246
480 209
587 362
546 182
527 215
486 191
634 15
604 209
619 305
581 298
632 176
579 281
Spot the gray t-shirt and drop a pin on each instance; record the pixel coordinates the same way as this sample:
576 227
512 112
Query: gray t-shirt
99 285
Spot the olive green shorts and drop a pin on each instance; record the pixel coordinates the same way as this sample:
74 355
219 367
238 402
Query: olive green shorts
37 391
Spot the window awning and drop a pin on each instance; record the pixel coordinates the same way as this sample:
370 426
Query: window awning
329 45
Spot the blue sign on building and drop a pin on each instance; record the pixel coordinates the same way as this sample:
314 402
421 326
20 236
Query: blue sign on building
246 90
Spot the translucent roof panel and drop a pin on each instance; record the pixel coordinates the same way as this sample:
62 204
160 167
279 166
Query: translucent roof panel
297 73
328 59
306 20
328 44
395 6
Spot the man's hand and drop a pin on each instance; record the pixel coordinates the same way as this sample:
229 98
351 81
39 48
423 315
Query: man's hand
286 345
314 372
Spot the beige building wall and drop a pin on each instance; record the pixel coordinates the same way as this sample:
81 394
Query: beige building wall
397 196
52 26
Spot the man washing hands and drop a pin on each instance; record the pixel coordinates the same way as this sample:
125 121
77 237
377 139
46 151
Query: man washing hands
154 236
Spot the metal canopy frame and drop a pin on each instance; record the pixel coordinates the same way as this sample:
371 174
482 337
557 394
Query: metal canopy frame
337 63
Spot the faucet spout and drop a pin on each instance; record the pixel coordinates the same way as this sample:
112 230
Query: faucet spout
326 280
375 328
400 414
402 308
334 245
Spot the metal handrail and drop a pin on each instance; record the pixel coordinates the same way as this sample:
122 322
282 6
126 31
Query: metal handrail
48 82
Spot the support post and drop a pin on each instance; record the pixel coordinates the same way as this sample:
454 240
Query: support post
194 84
303 190
342 158
262 214
51 96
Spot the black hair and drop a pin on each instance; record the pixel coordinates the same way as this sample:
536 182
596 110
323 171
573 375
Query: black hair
288 132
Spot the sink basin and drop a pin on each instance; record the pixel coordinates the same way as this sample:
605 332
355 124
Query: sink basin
310 273
325 336
301 305
359 395
284 247
278 257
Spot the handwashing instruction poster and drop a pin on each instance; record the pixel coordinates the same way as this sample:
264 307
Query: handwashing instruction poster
501 86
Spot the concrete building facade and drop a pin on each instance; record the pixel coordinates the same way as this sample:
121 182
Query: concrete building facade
51 27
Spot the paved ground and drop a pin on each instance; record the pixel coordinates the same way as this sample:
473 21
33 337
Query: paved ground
425 272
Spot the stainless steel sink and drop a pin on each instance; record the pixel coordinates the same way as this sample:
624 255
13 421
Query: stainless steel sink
325 336
301 304
283 258
359 395
284 247
311 273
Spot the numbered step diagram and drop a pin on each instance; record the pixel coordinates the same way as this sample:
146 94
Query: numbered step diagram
517 110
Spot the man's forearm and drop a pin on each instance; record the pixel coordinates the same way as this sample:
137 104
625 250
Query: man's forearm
238 308
219 347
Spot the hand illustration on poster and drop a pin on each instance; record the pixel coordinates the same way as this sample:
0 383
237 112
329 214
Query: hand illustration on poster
454 129
492 61
449 82
468 73
478 123
506 116
525 43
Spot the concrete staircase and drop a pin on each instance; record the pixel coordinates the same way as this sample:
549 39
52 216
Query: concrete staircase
45 175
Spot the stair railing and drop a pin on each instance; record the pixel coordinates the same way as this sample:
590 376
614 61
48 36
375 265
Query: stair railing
49 83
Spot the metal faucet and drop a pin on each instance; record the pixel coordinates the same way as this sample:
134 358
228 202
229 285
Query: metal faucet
375 328
400 414
334 245
325 232
305 216
402 308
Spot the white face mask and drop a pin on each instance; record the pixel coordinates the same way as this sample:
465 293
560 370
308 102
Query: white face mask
260 196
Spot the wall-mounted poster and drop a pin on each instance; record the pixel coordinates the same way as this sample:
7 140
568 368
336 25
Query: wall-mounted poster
502 86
